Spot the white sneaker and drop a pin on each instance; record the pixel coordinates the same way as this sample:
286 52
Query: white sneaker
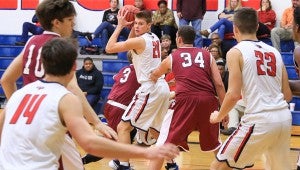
114 164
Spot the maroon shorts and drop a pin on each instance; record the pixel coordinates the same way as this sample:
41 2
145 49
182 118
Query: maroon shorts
113 115
192 113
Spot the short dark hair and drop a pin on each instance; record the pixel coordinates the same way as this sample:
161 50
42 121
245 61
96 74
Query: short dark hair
246 20
88 59
297 15
161 2
48 10
145 14
187 33
58 56
220 63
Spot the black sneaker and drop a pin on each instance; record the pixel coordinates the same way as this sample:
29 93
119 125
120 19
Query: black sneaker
90 158
228 131
122 167
171 166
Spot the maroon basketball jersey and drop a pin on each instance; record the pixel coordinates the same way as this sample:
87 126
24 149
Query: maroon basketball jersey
191 67
125 86
32 63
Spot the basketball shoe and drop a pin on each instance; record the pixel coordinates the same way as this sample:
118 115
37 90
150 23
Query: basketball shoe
171 166
115 165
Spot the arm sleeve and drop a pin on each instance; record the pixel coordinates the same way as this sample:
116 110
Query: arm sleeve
179 5
169 20
104 15
203 7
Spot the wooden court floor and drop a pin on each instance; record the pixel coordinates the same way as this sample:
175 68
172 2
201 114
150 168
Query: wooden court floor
198 160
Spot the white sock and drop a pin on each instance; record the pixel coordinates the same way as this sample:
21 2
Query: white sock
124 163
209 30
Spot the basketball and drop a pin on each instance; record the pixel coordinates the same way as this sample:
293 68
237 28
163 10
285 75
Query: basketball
132 10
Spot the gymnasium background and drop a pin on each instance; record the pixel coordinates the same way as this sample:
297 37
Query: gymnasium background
89 12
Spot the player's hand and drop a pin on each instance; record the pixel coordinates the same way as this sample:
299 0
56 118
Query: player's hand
153 77
179 15
167 151
215 117
121 18
206 48
225 121
106 131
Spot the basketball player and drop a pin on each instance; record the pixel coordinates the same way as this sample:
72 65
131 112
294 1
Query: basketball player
57 19
36 119
151 101
198 82
118 99
295 85
257 71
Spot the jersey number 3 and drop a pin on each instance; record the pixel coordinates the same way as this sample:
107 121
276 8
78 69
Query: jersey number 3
28 107
265 63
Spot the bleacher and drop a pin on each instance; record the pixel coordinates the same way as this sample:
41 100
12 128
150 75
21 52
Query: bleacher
109 67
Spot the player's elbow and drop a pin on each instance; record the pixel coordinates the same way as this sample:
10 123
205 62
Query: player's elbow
108 49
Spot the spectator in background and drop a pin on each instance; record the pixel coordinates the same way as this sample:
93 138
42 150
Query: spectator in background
34 28
108 25
163 21
225 46
266 18
90 81
224 25
139 4
285 31
167 43
216 52
223 72
192 11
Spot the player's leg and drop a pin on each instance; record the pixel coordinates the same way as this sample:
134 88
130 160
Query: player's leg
124 129
277 154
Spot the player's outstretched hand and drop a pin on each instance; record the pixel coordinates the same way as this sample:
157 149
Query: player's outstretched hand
106 131
167 151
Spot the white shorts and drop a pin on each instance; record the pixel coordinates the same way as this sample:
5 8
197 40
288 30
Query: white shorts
71 159
149 106
254 138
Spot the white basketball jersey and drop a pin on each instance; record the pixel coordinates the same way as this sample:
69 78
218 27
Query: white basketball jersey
33 134
262 77
149 59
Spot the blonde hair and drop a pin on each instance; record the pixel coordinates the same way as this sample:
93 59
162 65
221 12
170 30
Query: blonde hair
229 7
